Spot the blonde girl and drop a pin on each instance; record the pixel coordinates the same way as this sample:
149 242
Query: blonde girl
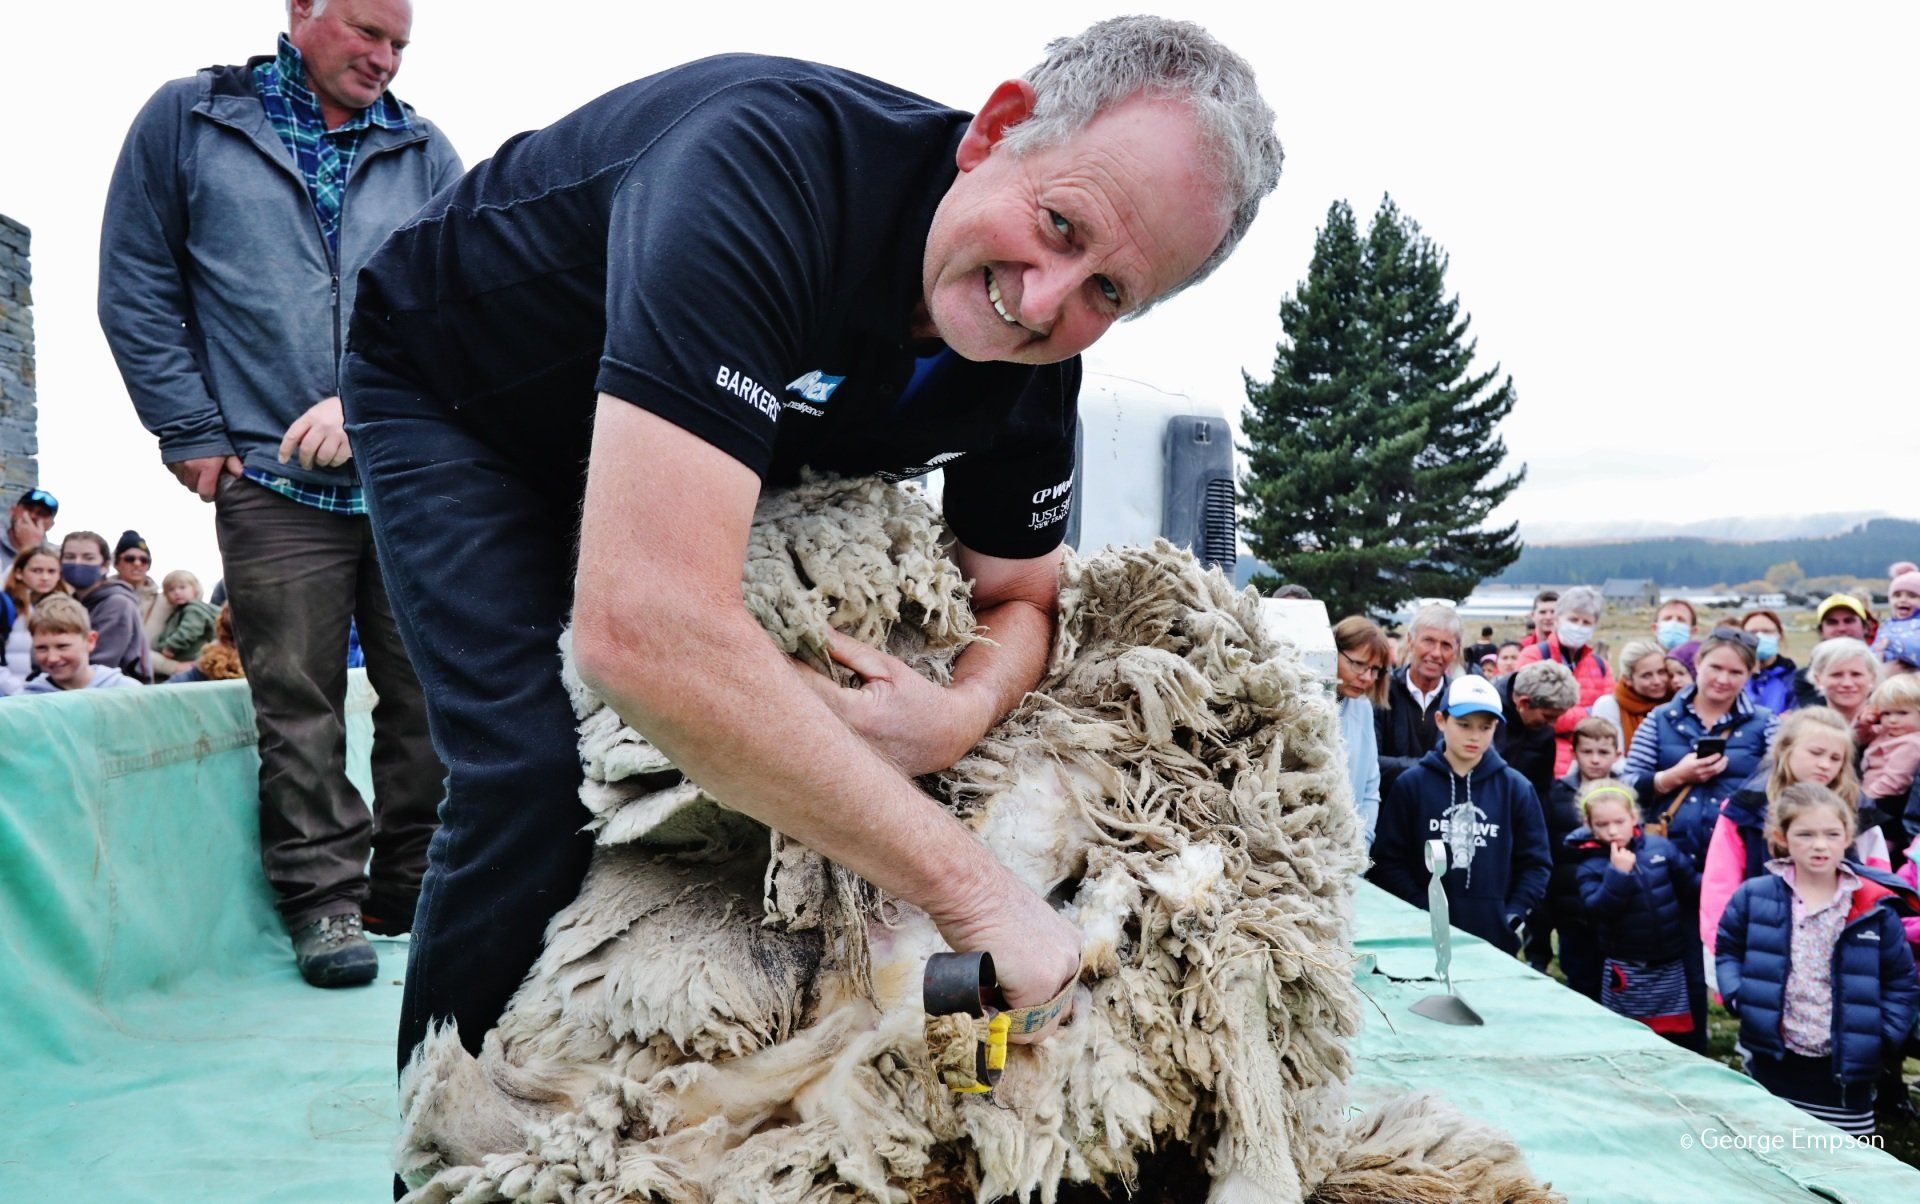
1637 891
33 575
1814 745
1894 750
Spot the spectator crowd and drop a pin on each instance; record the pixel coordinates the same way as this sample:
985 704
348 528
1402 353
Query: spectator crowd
1699 817
78 616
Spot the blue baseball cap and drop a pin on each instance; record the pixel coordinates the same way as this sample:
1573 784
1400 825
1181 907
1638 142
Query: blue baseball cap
1468 694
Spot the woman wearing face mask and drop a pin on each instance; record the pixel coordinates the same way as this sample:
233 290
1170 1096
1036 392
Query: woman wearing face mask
1771 685
1571 644
1643 684
1674 625
111 606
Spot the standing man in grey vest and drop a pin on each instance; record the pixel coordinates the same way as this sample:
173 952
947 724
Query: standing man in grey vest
243 205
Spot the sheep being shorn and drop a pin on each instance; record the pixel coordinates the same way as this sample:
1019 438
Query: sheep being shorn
722 1016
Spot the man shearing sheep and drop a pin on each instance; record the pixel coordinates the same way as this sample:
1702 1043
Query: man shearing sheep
693 287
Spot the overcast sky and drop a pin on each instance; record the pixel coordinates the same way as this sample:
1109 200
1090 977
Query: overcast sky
1686 230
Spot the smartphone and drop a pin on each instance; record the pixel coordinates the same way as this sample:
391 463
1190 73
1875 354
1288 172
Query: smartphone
1709 746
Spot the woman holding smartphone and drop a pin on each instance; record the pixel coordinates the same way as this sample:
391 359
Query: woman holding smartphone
1692 753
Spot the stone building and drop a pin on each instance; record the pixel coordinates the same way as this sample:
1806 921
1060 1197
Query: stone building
19 470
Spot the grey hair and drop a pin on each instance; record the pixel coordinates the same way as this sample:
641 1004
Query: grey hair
319 6
1546 684
1830 654
1121 57
1435 617
1584 599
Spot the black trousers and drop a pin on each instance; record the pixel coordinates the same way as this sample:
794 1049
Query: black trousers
295 577
475 517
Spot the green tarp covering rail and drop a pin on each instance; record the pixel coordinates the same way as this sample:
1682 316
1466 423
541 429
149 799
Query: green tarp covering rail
156 1043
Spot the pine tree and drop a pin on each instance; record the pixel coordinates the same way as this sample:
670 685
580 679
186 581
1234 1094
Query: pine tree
1371 452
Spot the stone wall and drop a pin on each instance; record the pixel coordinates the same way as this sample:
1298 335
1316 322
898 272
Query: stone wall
19 470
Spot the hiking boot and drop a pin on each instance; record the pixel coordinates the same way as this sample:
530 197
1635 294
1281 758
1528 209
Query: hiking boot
333 952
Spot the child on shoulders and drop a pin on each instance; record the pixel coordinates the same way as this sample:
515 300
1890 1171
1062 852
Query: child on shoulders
1898 640
1638 892
1488 815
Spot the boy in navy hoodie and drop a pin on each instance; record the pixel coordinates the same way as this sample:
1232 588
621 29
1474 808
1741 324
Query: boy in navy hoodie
1487 814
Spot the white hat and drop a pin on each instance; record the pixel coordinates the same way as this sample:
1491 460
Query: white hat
1468 694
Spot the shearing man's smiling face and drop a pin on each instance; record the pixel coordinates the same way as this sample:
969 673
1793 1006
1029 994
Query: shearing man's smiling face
1031 257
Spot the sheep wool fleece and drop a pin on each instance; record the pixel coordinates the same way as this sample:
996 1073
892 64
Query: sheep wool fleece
722 1016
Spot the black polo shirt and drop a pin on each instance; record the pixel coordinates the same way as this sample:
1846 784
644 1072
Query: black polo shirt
736 246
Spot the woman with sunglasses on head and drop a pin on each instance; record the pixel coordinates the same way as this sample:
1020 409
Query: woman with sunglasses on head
1692 753
1362 661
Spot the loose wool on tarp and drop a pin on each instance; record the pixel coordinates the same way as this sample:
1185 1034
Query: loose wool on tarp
723 1016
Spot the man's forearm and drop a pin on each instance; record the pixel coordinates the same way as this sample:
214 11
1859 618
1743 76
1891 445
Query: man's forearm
734 719
992 677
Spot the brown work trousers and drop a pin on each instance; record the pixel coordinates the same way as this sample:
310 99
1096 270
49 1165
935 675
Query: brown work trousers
295 576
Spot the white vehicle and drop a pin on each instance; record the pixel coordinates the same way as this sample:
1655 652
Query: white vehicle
1153 463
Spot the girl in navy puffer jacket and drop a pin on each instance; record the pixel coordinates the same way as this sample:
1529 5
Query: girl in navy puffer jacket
1637 891
1812 958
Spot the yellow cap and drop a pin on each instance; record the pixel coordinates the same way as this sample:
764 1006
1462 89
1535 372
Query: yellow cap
1836 600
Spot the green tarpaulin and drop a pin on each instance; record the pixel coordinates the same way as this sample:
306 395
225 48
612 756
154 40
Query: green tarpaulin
157 1045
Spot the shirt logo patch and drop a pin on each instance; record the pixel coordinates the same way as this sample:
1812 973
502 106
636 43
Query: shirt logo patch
1049 508
748 390
815 387
1043 496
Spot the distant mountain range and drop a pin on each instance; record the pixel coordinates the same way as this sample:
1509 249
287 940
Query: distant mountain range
1864 550
1740 528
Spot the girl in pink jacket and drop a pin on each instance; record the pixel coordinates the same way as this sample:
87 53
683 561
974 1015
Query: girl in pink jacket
1813 744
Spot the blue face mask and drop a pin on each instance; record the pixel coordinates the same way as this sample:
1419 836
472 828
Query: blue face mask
1671 633
1768 648
81 576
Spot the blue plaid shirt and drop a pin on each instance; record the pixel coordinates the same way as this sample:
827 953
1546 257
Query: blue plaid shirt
324 156
325 159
